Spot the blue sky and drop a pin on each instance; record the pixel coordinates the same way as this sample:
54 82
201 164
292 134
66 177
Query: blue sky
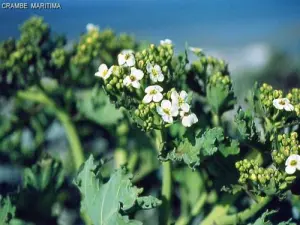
223 27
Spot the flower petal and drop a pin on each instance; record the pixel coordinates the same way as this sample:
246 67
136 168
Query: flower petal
290 169
167 118
289 107
98 74
149 67
185 107
149 89
174 110
159 110
186 121
127 81
157 68
147 98
157 97
174 96
158 88
160 77
136 84
153 78
183 95
121 59
166 104
131 60
102 67
137 73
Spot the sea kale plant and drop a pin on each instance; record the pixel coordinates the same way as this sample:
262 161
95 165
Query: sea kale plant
104 130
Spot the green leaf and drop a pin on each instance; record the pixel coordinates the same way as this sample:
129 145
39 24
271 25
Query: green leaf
210 141
245 125
186 152
190 149
220 97
46 174
104 201
95 105
7 210
262 220
232 149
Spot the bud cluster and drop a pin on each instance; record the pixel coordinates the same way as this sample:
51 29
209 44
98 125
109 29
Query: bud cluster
294 97
160 55
288 144
218 78
58 57
268 94
208 65
250 171
97 44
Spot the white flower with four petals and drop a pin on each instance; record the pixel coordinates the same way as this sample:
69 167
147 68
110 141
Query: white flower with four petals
292 164
134 78
104 72
126 58
155 72
167 111
283 103
180 100
153 93
188 119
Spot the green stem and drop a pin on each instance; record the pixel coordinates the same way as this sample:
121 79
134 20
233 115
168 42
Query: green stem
184 220
166 191
215 120
220 210
243 216
63 117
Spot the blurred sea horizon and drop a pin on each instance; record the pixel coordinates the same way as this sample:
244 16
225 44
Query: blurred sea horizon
241 32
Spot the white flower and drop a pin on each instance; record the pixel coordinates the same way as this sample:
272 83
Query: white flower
126 58
104 72
188 119
153 93
283 103
167 111
155 72
134 78
195 50
292 163
166 42
91 27
180 100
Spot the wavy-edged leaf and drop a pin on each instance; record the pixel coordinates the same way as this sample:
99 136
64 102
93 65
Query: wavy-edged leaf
191 149
104 201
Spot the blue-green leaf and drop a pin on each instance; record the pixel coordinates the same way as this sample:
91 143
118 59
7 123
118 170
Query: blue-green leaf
103 201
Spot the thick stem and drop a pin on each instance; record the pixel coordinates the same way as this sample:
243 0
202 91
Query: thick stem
243 216
166 191
64 118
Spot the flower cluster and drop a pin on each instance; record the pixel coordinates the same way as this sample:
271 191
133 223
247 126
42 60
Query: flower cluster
288 144
143 78
273 100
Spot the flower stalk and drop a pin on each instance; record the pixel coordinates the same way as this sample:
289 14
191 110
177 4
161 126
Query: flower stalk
64 118
166 191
